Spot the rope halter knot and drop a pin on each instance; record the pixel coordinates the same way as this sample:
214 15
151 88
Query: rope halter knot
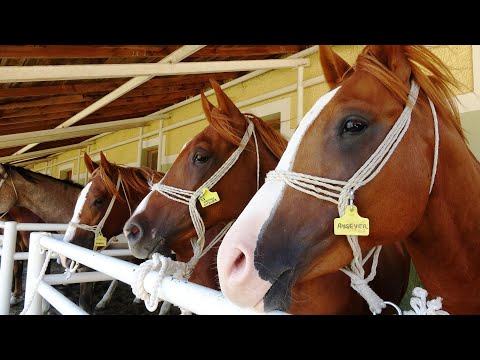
342 193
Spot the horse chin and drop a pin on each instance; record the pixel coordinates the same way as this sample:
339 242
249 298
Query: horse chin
161 248
279 296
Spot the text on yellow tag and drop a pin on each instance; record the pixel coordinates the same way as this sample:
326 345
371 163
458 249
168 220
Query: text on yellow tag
100 240
351 223
208 198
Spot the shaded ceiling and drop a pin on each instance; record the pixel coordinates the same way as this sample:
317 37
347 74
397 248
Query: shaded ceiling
34 106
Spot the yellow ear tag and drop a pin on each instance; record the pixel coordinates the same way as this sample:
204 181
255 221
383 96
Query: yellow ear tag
100 240
208 198
351 223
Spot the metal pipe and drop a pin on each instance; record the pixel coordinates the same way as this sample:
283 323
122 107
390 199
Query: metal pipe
299 94
76 278
198 299
41 227
159 151
191 296
6 266
59 301
36 259
118 269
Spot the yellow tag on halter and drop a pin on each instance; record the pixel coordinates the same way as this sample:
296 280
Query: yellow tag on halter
208 198
100 240
351 223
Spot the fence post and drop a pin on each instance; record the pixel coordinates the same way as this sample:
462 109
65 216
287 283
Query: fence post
35 262
6 267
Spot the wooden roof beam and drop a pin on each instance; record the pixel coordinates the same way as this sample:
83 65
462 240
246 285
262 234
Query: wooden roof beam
127 51
101 87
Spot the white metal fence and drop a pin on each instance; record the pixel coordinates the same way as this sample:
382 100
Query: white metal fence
8 255
195 298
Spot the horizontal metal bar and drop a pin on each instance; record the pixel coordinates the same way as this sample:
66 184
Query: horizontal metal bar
107 71
41 227
59 301
196 298
83 277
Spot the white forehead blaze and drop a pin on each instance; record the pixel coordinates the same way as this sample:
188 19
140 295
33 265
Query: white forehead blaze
143 204
286 162
82 198
267 199
185 145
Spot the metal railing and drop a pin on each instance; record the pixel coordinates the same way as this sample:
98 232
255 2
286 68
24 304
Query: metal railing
193 297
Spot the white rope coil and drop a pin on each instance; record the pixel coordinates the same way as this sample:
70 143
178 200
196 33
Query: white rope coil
339 192
420 305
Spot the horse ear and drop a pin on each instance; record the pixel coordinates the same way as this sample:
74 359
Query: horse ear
226 105
89 163
334 67
207 106
224 102
106 165
395 59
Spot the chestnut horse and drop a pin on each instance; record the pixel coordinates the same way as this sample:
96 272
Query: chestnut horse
94 200
92 207
161 224
426 198
20 215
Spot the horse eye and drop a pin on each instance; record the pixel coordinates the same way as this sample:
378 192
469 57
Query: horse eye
99 202
198 158
354 125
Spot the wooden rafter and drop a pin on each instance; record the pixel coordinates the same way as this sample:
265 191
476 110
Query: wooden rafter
126 51
102 87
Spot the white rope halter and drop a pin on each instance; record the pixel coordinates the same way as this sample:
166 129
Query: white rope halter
167 266
97 229
190 198
341 193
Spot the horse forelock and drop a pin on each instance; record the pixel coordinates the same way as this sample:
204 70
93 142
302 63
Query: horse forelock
134 179
272 139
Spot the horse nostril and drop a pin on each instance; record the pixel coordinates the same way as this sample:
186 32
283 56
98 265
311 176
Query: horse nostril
134 229
239 264
133 232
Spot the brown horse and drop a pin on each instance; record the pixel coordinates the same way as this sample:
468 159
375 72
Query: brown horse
95 198
20 215
160 224
335 139
51 199
93 204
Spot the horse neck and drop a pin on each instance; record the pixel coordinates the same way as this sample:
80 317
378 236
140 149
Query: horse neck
445 247
53 201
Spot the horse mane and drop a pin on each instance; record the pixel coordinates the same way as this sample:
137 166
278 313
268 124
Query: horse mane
134 179
437 82
275 142
33 177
